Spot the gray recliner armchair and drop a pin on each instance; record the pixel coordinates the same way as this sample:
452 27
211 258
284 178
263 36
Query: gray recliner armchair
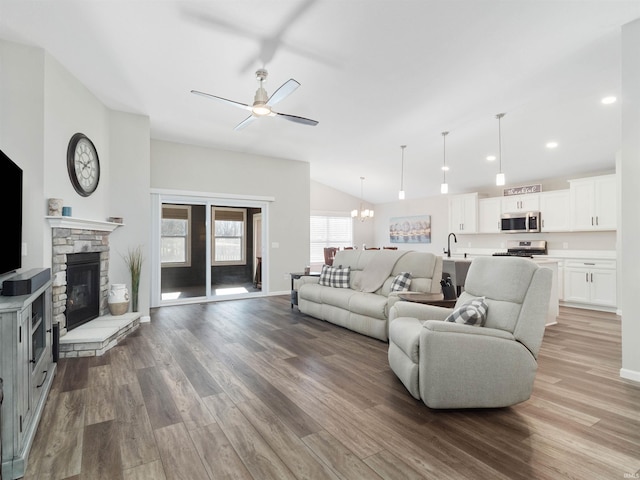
453 365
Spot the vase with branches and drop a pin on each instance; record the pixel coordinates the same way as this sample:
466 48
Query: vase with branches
134 259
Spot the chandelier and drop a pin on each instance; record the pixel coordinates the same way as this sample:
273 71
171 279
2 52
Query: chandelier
362 213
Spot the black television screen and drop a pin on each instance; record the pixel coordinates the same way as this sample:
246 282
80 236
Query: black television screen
11 198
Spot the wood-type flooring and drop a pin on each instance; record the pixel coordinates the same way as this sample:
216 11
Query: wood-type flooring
252 389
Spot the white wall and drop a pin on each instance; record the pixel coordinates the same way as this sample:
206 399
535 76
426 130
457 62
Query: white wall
437 207
628 259
185 168
129 198
70 108
41 106
325 200
22 139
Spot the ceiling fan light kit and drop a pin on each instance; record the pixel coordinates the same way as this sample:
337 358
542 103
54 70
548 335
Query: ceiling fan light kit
262 103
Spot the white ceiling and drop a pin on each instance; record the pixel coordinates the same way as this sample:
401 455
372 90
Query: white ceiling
376 74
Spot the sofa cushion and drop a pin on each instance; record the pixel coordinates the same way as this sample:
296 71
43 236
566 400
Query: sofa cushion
471 313
340 277
401 282
368 304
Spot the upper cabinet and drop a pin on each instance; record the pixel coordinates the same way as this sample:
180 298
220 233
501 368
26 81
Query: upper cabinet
593 203
521 203
489 210
463 213
554 211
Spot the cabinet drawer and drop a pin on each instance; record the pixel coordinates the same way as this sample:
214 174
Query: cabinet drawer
591 264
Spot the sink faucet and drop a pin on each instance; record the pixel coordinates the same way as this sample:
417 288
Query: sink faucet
448 250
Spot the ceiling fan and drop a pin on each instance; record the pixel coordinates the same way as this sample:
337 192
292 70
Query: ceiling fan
262 104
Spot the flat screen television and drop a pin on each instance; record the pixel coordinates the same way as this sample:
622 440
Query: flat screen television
11 199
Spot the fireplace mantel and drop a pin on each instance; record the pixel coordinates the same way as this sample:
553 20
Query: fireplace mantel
82 224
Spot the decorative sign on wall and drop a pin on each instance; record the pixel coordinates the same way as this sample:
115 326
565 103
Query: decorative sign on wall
537 188
410 229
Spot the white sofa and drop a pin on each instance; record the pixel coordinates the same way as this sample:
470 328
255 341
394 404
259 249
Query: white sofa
364 306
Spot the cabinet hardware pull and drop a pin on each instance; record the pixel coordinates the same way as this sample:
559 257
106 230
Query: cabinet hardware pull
592 278
588 263
43 378
592 221
50 330
596 220
586 277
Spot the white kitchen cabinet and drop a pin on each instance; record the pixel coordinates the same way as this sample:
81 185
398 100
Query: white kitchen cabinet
521 203
590 282
593 203
27 370
554 211
463 213
489 210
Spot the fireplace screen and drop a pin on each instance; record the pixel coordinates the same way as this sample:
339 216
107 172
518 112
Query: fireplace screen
83 288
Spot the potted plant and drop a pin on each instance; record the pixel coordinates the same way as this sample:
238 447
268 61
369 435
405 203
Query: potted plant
134 259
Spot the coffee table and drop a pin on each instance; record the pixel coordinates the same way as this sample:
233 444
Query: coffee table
436 299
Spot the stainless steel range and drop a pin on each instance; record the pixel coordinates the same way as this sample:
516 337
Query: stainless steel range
524 248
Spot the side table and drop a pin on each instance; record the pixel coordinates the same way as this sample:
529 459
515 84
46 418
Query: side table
436 299
294 292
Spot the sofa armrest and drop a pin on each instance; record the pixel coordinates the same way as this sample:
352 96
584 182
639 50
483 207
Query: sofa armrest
304 279
418 310
452 327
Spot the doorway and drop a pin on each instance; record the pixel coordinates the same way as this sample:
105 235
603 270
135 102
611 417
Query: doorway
207 249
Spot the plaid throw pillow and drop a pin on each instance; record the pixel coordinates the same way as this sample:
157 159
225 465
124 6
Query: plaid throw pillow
340 277
471 313
325 276
401 282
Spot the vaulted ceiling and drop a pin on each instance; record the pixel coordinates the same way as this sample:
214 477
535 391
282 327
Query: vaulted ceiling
376 74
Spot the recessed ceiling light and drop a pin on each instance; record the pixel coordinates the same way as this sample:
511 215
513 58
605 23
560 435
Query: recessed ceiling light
552 144
491 158
609 100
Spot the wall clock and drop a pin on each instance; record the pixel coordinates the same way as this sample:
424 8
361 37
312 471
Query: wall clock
83 164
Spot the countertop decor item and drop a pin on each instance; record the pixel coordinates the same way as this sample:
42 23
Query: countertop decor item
134 259
55 207
118 299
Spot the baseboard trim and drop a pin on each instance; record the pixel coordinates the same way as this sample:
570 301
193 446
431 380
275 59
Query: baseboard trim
630 374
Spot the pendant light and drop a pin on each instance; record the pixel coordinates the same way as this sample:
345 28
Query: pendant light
444 186
500 180
401 192
362 214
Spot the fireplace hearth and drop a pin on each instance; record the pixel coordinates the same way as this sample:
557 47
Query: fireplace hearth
83 288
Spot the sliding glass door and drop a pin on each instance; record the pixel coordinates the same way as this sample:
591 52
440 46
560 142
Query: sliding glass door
207 249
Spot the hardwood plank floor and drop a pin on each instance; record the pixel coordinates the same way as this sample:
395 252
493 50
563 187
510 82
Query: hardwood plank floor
252 389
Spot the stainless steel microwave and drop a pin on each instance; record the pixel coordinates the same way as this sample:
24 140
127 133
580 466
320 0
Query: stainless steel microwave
520 222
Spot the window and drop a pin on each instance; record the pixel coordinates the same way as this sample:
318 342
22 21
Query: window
329 231
175 240
229 236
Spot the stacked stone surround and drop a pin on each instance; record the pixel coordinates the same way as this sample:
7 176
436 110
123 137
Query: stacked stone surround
68 241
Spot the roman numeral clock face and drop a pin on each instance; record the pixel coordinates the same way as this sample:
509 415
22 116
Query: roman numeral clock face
83 164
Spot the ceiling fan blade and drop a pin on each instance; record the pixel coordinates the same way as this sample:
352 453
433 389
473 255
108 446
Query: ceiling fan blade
295 118
286 89
245 122
223 100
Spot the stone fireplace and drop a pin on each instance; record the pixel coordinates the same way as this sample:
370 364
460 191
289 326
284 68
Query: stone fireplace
74 236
